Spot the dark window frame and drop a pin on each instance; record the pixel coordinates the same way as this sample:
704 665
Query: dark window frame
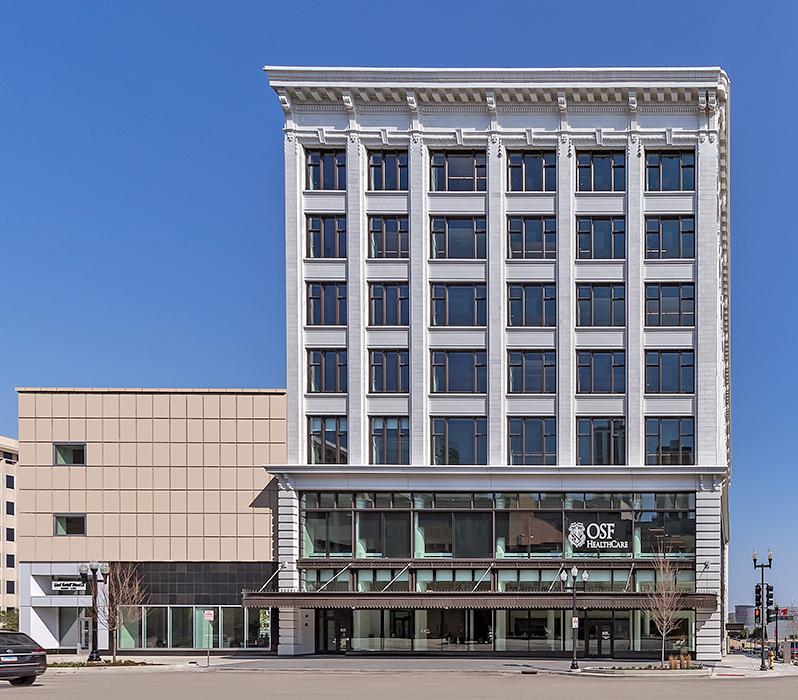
616 302
325 355
518 237
657 453
379 293
518 360
80 445
439 237
654 364
439 166
586 167
339 289
479 377
440 293
686 170
77 516
440 432
519 163
380 162
586 359
519 427
341 448
654 301
316 233
654 238
326 157
402 437
617 434
379 236
516 295
586 233
383 357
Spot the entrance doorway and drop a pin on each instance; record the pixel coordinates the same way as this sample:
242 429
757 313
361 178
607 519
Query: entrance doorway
598 640
333 629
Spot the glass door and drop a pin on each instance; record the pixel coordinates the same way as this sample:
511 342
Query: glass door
333 631
598 641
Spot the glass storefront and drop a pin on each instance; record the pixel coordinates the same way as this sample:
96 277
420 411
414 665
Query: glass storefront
602 633
186 627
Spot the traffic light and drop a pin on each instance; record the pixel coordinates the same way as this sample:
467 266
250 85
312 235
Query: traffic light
758 595
769 596
756 616
772 614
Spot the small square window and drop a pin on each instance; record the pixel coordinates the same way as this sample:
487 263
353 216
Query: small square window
9 481
10 587
10 535
69 525
74 454
10 563
9 507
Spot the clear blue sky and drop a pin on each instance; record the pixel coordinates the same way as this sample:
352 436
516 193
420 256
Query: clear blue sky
141 190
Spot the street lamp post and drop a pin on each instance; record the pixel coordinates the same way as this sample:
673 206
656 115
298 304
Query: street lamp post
574 630
92 568
762 617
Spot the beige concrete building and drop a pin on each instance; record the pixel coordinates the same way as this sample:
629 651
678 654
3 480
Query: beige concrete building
9 451
164 477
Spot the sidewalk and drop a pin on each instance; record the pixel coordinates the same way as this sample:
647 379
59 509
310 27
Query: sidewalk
735 665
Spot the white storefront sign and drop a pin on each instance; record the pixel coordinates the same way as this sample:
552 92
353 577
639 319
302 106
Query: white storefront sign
69 586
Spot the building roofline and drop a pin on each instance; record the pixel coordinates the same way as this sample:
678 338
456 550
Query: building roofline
142 390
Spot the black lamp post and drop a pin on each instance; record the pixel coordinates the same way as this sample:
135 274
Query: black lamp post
574 630
762 616
85 569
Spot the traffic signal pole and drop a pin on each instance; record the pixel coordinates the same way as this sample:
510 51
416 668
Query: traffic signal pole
762 616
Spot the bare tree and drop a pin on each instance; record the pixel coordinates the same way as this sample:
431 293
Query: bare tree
664 600
120 600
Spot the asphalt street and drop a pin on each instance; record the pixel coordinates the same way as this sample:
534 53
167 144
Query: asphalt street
242 685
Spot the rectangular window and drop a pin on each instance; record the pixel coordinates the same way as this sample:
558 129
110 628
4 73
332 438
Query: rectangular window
327 441
9 481
531 238
670 237
326 236
532 440
601 171
458 305
389 304
9 507
388 237
10 563
600 238
10 587
328 535
10 535
459 372
389 372
326 303
458 238
531 372
327 371
382 535
532 171
458 171
600 305
601 441
69 524
459 441
670 304
387 170
390 440
670 372
326 170
670 171
670 441
73 454
532 305
10 456
600 372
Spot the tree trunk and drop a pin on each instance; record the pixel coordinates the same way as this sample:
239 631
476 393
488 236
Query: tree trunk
663 651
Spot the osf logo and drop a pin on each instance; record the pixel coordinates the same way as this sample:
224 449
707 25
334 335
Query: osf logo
576 534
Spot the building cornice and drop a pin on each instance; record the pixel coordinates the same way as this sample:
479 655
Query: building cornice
142 390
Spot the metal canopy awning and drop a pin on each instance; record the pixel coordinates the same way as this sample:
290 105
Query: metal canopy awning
483 601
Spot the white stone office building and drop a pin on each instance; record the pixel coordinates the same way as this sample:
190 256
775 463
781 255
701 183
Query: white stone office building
9 457
508 355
